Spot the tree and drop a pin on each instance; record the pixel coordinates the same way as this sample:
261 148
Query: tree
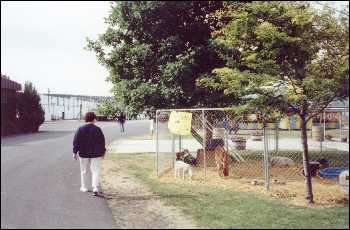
30 113
283 56
155 51
109 108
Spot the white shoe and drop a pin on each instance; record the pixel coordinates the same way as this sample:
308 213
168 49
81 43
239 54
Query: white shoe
95 192
83 189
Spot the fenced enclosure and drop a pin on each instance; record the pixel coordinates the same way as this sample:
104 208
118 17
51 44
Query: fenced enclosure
257 153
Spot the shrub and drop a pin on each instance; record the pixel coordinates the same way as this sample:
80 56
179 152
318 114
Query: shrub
29 110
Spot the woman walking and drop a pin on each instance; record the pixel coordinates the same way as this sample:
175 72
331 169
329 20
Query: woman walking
89 144
121 120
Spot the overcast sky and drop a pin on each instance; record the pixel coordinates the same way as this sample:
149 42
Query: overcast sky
43 42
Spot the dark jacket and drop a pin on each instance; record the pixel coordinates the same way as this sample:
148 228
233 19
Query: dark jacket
89 141
121 118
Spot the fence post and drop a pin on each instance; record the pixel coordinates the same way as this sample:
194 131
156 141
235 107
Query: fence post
340 124
180 146
157 145
173 148
226 137
204 145
266 160
276 137
324 125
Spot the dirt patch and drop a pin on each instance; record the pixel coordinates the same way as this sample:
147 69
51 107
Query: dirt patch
133 205
327 193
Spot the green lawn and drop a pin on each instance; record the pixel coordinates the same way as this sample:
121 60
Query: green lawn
220 208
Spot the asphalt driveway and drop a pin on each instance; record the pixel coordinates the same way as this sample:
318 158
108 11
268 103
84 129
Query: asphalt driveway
40 181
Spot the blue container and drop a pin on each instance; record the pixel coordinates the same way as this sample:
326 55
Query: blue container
332 172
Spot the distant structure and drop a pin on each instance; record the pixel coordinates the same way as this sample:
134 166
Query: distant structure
9 92
68 106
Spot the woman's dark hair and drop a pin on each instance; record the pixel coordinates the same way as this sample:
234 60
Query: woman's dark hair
90 116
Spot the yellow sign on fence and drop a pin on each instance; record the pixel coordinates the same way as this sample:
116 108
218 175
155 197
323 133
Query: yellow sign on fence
180 123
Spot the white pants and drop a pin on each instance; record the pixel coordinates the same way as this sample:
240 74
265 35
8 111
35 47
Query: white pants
95 171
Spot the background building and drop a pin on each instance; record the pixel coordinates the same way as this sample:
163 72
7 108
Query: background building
67 106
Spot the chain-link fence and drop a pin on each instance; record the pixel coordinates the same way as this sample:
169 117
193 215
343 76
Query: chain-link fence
223 144
214 131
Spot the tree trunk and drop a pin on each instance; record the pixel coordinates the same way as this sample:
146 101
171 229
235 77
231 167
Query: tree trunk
308 184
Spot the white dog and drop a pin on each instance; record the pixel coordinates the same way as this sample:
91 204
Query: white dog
180 165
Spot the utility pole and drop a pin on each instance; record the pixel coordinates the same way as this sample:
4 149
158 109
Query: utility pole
81 106
53 110
64 108
73 105
48 100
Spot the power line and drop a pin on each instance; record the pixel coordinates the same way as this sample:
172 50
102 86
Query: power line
332 8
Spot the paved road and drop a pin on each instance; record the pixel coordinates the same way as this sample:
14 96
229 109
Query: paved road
40 181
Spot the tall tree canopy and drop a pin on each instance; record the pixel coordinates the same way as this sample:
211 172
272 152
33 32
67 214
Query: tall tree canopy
285 52
283 56
155 51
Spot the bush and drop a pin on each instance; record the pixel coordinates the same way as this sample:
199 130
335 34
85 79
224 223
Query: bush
30 112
